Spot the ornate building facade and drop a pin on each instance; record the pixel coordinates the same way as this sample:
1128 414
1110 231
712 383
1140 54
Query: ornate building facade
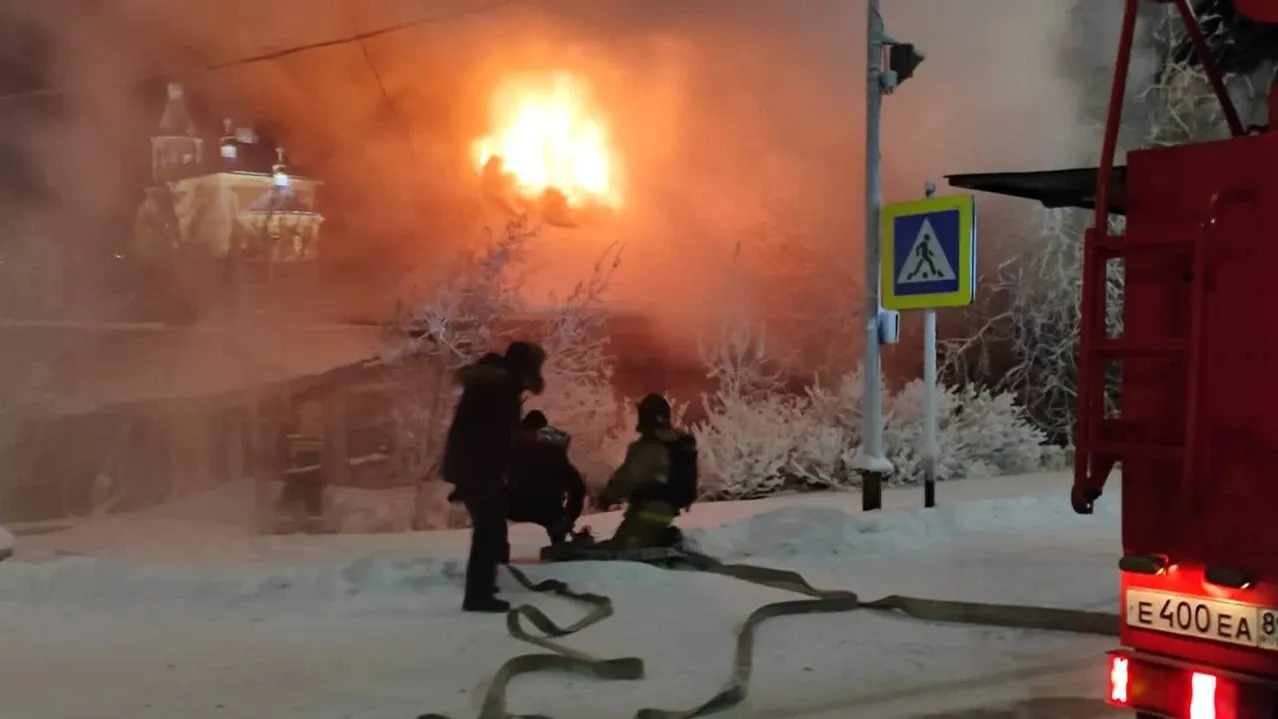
230 197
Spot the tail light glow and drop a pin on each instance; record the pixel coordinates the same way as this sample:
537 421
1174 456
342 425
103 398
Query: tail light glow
1202 696
1118 681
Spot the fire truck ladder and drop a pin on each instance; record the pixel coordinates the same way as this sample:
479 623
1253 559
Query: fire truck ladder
1101 442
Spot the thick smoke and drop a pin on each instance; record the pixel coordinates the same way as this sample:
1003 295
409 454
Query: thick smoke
740 122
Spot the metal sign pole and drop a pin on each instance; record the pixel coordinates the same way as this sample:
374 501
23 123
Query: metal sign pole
931 450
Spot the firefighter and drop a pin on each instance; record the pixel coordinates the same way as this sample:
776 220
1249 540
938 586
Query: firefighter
657 480
302 500
545 488
477 458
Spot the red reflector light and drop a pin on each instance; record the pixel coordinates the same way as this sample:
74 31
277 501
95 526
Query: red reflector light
1202 696
1118 680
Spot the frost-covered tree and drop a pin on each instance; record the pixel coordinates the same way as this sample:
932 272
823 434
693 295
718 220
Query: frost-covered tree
579 396
1028 328
476 306
450 324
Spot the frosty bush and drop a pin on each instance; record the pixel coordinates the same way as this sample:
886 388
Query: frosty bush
981 433
758 446
748 447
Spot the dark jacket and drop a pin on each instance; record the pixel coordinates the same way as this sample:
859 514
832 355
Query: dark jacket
480 440
541 467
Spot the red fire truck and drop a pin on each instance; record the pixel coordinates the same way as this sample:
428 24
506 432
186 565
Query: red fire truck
1197 429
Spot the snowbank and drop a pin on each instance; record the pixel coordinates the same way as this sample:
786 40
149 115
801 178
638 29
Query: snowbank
817 531
328 569
216 526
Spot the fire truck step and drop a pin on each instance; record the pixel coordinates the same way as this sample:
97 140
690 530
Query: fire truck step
1118 245
1123 348
1139 451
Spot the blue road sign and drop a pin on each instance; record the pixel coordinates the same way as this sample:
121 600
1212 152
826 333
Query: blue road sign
927 253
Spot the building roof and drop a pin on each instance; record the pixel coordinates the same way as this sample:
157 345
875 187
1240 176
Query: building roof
254 154
91 367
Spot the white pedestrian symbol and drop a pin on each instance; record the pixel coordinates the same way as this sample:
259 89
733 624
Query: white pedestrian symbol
926 261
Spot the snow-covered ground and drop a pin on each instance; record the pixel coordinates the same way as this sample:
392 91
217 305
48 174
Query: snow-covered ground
164 615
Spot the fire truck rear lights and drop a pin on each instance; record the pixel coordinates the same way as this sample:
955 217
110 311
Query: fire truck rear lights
1118 680
1143 563
1202 697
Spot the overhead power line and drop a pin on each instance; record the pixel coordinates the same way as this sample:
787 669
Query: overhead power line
358 37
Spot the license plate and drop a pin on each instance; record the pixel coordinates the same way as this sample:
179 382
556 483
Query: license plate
1201 618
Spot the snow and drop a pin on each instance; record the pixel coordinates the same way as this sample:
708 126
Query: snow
178 615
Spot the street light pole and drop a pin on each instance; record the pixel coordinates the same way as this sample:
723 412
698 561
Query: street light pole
872 461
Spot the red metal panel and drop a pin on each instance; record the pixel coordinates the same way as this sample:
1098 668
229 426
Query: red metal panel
1259 10
1224 515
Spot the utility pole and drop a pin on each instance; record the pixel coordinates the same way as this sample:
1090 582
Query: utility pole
871 459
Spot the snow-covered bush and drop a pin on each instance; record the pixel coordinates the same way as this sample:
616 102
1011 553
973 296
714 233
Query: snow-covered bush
980 433
748 446
776 442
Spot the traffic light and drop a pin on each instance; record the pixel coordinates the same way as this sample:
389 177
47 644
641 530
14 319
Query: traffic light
902 60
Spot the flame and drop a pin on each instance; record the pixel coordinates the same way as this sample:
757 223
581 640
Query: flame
549 135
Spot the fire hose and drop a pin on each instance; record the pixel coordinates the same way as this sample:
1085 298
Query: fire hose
819 601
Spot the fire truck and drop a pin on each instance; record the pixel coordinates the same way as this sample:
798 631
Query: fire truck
1196 432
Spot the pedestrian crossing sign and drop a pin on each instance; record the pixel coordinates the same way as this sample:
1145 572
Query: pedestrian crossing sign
927 253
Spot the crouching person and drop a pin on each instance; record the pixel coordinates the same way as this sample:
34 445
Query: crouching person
545 488
657 480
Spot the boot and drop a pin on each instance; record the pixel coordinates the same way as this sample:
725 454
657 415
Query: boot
584 537
486 605
559 533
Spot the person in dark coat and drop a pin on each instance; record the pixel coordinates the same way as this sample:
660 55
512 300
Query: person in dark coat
545 488
477 457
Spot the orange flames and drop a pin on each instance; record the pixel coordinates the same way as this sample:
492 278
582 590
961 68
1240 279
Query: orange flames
549 136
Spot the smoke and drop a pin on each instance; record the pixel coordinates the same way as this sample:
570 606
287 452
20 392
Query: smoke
741 123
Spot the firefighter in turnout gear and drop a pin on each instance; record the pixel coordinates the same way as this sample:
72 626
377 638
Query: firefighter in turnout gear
657 480
302 501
